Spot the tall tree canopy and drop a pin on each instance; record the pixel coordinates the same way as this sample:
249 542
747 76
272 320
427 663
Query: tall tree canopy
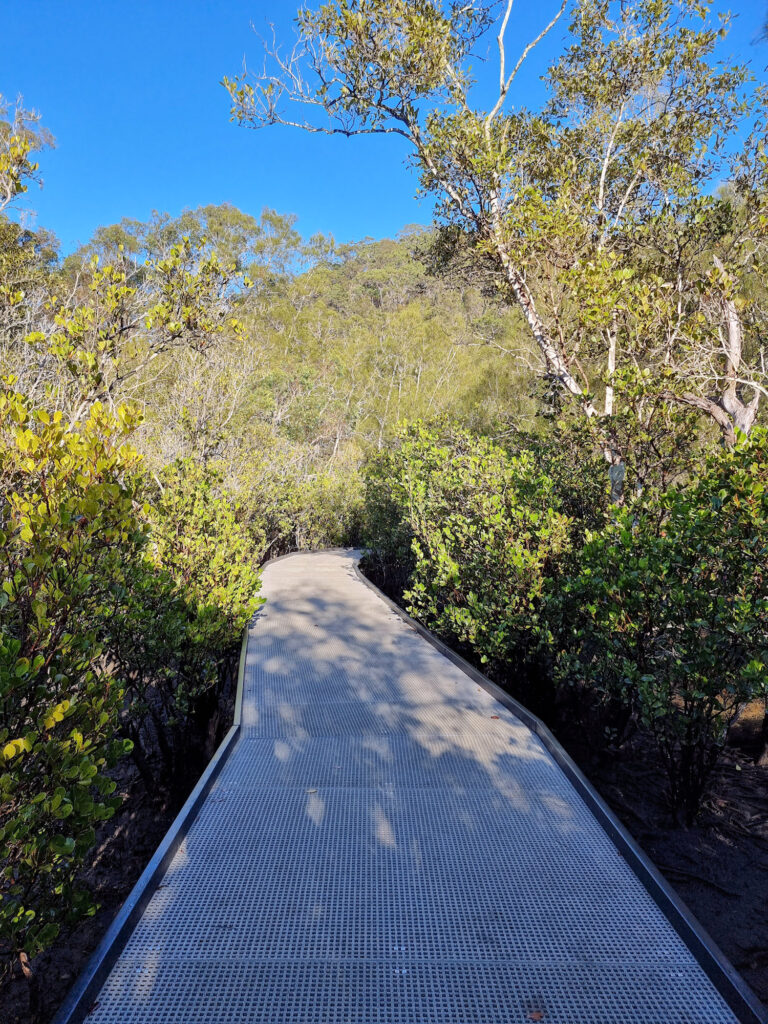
21 134
596 216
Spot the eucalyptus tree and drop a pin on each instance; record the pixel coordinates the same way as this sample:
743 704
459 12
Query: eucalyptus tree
268 245
26 257
586 215
21 135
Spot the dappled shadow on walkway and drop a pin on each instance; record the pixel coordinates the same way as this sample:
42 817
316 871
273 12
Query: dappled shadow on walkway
387 843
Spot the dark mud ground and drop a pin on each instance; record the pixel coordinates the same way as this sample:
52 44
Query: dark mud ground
719 866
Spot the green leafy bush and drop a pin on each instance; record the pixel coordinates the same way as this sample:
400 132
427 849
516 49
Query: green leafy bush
183 610
119 622
571 455
67 524
328 511
668 611
483 532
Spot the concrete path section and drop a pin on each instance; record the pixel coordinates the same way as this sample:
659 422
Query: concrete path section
387 844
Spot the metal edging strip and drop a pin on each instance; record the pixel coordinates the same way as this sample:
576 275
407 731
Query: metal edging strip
81 996
723 975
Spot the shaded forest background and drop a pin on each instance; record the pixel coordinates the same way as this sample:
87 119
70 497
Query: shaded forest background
325 350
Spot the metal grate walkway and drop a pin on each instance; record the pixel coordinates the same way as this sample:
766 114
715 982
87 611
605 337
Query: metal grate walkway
387 844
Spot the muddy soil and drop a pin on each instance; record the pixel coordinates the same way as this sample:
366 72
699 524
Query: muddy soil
719 866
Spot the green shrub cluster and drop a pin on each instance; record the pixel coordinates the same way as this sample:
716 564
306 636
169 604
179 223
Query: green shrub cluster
68 522
181 614
484 533
286 510
667 611
657 611
121 599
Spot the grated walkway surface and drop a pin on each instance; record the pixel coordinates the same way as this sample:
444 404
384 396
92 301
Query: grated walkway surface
388 845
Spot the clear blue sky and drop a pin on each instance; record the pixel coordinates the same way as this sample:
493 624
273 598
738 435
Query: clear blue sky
130 90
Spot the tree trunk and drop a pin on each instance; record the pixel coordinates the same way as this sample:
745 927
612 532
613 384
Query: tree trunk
555 362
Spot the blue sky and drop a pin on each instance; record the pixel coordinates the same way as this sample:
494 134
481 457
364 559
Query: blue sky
130 90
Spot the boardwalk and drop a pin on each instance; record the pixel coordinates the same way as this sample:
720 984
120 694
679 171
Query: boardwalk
386 844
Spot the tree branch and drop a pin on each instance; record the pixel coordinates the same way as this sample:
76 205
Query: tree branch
505 85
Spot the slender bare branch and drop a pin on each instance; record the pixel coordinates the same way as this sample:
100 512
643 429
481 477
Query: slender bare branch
506 85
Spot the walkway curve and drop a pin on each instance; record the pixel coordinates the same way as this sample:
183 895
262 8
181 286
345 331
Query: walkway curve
387 844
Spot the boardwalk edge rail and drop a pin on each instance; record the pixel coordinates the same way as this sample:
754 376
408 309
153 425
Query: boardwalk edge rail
80 999
723 975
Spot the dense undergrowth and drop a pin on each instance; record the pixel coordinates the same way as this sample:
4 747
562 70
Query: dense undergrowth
122 600
653 614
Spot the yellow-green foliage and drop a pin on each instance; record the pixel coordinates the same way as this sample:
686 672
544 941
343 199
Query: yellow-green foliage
121 603
67 524
179 617
199 540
